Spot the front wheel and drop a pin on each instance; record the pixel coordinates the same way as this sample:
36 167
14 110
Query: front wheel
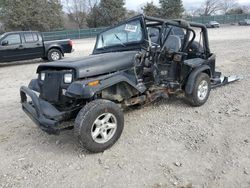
54 55
99 125
201 90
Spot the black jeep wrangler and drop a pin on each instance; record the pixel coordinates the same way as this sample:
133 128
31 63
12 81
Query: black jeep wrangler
134 62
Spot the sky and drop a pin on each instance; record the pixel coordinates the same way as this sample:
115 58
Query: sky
136 4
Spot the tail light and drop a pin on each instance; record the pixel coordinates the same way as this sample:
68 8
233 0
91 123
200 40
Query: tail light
71 43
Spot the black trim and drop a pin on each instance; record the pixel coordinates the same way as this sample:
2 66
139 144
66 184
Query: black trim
129 46
44 114
193 75
35 112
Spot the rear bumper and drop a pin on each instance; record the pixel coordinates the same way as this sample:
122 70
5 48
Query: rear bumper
69 50
38 110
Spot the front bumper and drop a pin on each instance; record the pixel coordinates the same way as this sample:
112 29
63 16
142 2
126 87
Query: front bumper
45 115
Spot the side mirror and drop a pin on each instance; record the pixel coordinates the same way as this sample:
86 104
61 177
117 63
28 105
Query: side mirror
5 43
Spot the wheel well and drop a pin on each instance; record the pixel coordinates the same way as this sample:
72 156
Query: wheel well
191 79
208 72
57 48
119 92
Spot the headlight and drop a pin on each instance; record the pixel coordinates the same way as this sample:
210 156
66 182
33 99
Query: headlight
68 78
42 76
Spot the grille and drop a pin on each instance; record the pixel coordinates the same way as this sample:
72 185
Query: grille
51 86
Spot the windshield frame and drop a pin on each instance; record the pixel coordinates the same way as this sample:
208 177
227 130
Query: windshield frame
136 45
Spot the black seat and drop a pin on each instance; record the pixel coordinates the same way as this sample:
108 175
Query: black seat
173 43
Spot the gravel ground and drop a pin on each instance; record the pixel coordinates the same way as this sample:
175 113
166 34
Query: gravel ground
165 144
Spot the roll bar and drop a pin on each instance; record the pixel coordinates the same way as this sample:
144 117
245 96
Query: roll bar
186 25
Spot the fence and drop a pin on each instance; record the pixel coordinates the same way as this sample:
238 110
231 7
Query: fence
223 19
88 33
72 34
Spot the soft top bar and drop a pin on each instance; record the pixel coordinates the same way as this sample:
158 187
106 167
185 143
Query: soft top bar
184 24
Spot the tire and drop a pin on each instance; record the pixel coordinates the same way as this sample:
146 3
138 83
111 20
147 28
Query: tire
90 125
201 90
54 55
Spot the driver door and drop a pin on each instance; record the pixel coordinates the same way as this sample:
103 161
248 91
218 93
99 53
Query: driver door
11 48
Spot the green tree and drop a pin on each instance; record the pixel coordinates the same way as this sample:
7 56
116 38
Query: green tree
171 8
42 15
93 18
106 13
112 11
151 10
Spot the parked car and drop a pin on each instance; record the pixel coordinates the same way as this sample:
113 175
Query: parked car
213 24
24 45
244 22
125 69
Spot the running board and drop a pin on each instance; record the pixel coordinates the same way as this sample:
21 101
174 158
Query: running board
222 80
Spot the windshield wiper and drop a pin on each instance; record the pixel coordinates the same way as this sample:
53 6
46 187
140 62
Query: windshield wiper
119 40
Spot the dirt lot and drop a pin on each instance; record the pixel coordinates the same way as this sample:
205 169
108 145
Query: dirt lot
166 144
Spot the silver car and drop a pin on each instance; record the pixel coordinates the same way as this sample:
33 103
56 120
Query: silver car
213 24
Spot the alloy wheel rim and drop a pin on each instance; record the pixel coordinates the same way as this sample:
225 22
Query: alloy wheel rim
104 128
202 90
55 56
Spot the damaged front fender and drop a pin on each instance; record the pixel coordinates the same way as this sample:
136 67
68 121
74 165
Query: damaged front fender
82 89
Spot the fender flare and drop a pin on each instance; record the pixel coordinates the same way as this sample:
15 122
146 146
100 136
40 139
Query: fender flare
191 79
81 89
34 85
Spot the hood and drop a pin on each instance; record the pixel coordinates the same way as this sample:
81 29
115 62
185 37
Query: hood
93 65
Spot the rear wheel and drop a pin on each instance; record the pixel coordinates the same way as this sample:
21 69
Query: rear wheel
99 125
201 90
54 55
